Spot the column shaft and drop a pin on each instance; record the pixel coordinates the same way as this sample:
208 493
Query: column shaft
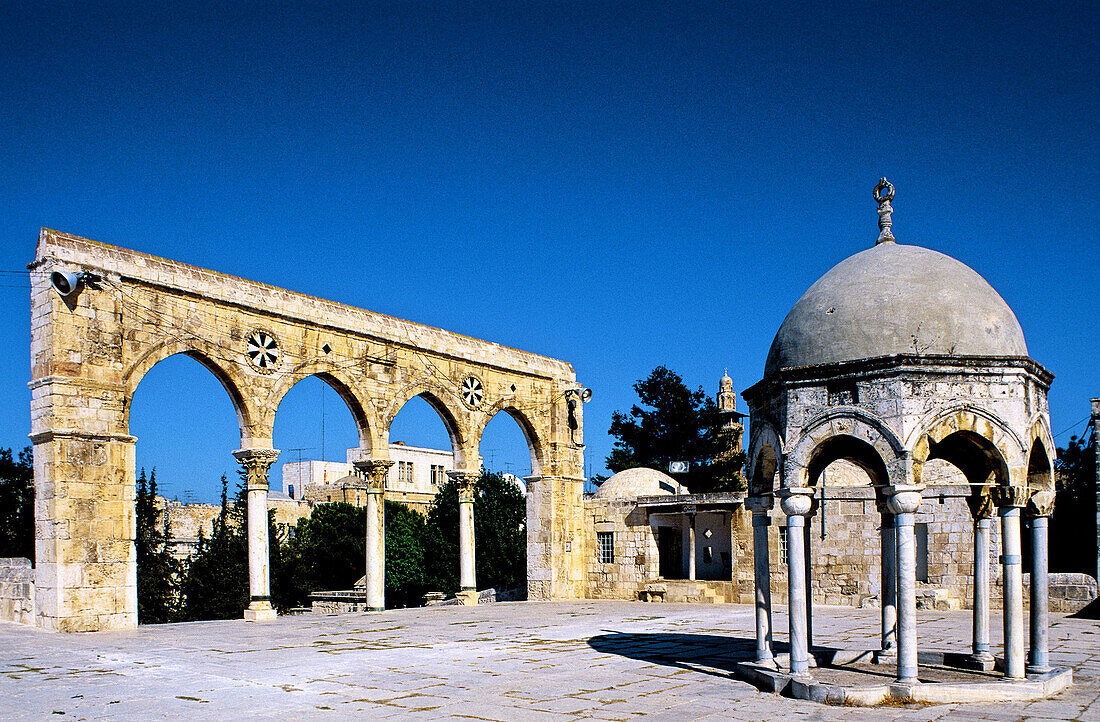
1039 657
888 589
907 597
982 527
691 547
1013 592
376 551
256 463
761 569
796 594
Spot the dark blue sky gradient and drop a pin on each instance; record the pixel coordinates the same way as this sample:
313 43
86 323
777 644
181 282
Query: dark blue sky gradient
616 184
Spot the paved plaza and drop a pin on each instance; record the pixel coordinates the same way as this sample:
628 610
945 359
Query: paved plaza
518 661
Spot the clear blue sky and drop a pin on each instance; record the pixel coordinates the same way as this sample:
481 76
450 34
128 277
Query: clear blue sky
620 185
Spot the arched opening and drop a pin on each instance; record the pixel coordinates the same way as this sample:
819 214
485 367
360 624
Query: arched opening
317 434
510 452
764 469
187 428
1040 477
1040 470
859 463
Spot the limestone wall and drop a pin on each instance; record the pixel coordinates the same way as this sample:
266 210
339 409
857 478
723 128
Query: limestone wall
16 591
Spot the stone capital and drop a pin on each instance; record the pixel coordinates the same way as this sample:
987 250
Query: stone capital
981 504
1010 496
256 463
759 504
466 481
903 499
1040 503
796 501
374 473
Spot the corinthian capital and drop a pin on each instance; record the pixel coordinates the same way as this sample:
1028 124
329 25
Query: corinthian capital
466 481
1041 503
256 462
374 473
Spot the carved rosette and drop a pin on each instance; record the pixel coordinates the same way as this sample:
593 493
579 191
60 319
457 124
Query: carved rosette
466 481
373 472
1041 503
1010 496
256 463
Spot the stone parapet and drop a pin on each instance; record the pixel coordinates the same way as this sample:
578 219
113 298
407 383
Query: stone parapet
17 590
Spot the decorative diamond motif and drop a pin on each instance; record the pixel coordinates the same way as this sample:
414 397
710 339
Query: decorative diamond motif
263 350
472 391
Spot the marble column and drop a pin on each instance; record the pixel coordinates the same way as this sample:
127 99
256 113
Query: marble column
373 473
981 508
467 480
256 463
1010 500
888 587
691 545
762 577
1039 508
796 503
904 502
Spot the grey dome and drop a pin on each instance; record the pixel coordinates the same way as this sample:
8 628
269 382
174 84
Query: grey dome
893 299
639 481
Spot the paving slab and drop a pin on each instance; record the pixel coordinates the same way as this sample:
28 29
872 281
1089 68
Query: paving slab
527 661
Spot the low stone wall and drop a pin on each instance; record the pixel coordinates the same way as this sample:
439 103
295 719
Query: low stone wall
341 602
17 591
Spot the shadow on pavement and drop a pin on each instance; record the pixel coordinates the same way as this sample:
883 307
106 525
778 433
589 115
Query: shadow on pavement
707 653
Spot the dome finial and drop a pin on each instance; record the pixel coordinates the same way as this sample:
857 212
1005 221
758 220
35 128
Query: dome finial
884 193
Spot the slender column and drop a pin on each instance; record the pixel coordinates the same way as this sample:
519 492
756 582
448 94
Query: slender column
1009 500
888 587
256 463
373 472
762 578
466 482
904 502
1039 508
796 504
981 507
808 568
691 546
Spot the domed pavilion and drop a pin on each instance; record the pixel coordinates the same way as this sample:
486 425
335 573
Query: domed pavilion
897 357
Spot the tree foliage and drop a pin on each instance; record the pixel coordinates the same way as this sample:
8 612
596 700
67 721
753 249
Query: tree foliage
500 533
157 569
1074 515
16 504
674 423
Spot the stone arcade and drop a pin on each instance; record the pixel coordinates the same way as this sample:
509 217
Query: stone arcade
896 358
102 316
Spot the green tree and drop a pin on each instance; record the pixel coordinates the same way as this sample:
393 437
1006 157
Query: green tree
1074 516
157 570
674 423
500 520
16 504
404 555
215 585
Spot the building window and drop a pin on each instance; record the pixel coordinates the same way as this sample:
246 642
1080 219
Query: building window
783 545
437 474
920 531
405 472
605 541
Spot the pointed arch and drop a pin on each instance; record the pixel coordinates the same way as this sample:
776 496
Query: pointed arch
465 458
851 434
205 353
339 381
981 445
1040 457
765 455
535 445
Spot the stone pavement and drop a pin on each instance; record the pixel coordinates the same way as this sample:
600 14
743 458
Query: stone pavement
516 661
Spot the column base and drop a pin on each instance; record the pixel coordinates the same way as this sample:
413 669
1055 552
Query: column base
260 612
468 597
1038 668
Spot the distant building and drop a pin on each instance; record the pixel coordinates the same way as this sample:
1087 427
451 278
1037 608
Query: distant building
413 480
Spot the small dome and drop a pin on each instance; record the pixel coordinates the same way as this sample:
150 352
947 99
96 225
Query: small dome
895 299
640 481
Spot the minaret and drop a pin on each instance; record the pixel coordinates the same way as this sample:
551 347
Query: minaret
730 417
